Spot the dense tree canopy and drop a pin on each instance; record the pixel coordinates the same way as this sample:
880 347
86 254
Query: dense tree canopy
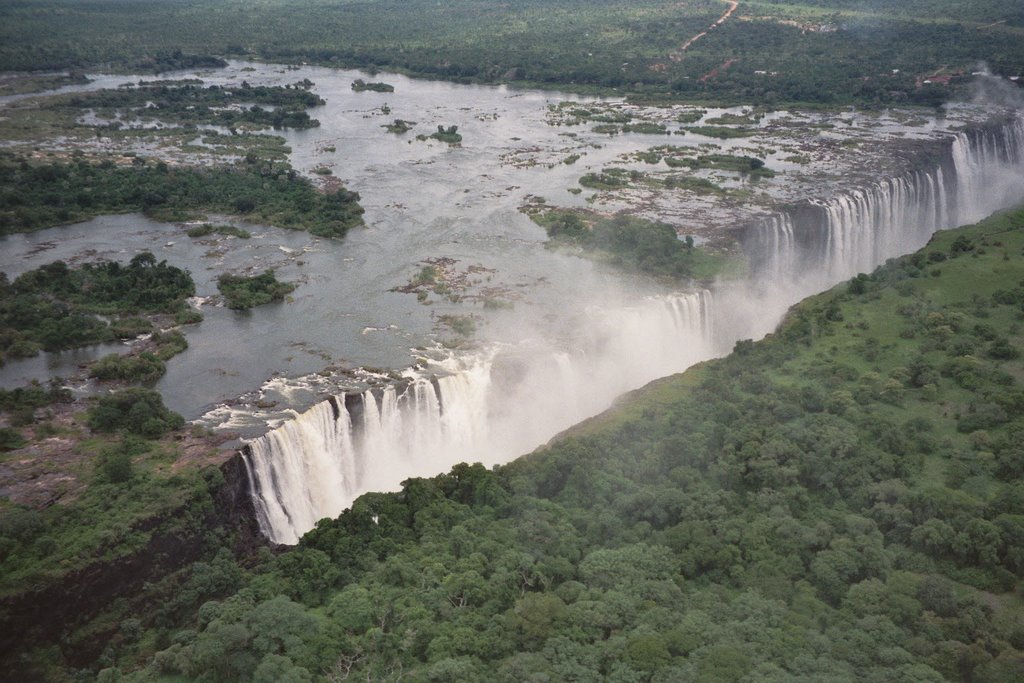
35 195
54 307
825 504
769 51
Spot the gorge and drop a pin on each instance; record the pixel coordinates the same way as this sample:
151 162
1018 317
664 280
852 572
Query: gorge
471 409
576 352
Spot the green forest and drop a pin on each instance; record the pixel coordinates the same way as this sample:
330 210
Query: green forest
40 194
840 501
775 50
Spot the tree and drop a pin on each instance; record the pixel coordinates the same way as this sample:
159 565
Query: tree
647 653
135 410
534 618
277 669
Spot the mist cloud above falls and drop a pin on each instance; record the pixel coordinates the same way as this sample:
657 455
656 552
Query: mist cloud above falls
992 90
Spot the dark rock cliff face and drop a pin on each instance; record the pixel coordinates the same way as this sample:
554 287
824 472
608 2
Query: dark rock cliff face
234 507
48 614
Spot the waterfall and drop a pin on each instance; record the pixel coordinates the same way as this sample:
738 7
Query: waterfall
505 400
291 489
488 407
820 243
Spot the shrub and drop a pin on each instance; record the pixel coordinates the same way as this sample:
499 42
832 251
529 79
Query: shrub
136 411
10 439
144 367
245 292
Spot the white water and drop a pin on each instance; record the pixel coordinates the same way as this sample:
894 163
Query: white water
492 406
486 407
858 231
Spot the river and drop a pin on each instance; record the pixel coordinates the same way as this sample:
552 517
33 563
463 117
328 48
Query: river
571 335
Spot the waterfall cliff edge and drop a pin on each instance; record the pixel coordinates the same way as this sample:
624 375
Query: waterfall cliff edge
496 404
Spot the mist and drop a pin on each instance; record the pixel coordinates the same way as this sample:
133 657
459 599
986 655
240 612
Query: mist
990 90
506 398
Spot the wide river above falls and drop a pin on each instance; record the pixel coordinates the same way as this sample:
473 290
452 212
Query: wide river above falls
423 200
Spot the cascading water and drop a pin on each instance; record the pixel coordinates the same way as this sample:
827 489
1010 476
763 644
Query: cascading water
493 406
487 407
293 490
824 242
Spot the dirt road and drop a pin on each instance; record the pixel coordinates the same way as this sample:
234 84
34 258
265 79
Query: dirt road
678 54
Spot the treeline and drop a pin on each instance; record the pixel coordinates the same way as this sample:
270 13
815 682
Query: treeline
979 11
779 56
176 60
38 195
841 501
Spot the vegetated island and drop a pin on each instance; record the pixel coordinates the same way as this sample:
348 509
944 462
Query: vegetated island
186 103
722 132
359 85
441 277
244 292
20 84
853 478
39 194
637 245
55 307
399 126
146 364
450 135
680 160
207 229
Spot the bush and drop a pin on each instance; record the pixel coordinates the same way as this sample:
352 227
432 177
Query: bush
136 411
245 292
984 416
144 367
168 344
208 229
116 467
1002 349
188 317
21 403
10 439
21 524
127 328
